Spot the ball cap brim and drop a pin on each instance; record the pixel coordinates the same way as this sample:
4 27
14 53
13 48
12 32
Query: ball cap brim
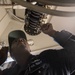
16 34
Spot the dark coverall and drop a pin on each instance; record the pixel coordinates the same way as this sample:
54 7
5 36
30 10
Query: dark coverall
50 62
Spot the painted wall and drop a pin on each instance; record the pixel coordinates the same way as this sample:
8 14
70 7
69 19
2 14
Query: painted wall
64 23
4 20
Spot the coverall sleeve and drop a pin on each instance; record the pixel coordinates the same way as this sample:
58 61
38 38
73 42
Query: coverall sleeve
67 41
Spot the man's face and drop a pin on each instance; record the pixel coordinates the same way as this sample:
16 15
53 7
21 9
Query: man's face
19 47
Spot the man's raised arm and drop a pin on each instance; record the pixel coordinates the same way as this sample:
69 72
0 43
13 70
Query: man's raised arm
64 38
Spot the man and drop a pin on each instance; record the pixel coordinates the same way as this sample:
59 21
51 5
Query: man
49 62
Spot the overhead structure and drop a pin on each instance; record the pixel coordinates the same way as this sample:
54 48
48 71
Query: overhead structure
33 20
58 2
36 10
64 3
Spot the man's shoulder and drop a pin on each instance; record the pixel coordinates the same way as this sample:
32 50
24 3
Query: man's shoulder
47 53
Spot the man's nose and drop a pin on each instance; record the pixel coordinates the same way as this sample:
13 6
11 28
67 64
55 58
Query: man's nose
20 40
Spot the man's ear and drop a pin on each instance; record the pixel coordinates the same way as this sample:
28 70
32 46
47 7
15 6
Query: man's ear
3 54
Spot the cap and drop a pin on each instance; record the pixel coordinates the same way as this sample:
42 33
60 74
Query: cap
15 35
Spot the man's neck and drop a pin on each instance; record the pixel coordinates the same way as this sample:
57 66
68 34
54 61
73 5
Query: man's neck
24 60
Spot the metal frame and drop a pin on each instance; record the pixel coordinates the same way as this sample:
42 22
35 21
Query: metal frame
45 10
58 2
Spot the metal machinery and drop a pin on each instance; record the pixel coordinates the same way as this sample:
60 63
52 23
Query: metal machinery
34 20
36 10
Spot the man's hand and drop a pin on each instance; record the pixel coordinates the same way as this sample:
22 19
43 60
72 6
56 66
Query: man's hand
48 29
3 54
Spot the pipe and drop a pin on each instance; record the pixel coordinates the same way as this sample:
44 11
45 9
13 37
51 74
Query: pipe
44 10
58 2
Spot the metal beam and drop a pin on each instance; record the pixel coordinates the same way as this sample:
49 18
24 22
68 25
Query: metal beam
44 10
58 2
